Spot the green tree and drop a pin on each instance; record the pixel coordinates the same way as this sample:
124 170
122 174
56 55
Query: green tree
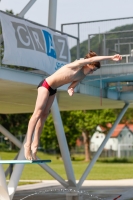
10 12
15 123
87 121
48 139
76 123
71 131
128 116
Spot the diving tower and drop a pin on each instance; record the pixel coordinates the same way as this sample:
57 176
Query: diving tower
109 87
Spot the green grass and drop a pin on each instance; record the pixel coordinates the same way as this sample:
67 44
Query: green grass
100 171
26 183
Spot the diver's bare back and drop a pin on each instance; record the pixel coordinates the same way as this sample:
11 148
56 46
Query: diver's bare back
67 74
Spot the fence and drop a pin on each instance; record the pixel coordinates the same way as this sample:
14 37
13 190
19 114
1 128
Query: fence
113 42
125 150
83 30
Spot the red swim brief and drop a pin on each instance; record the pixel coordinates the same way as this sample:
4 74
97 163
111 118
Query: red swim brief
46 85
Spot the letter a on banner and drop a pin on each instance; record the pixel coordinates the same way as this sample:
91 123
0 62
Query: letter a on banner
49 44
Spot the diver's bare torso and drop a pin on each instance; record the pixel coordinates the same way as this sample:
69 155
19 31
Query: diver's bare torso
65 75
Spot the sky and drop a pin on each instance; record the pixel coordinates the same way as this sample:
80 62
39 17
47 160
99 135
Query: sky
69 11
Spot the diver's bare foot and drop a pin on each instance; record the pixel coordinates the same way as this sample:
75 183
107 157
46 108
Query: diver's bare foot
34 151
27 152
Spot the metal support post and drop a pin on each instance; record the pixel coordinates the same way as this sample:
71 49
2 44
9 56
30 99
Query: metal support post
104 47
89 45
119 151
78 49
55 110
17 171
26 8
78 43
96 156
72 196
118 45
54 175
52 14
10 168
63 143
3 186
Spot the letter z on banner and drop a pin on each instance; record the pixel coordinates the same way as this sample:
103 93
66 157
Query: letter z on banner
32 45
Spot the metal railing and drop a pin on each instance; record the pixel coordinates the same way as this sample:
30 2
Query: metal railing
125 150
108 44
82 29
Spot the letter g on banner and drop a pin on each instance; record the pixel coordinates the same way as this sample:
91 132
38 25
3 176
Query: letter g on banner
22 36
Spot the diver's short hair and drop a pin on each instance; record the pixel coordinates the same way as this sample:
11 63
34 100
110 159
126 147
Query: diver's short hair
90 55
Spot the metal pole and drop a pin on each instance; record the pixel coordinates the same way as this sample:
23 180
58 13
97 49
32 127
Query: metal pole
55 111
9 168
3 186
54 175
62 28
63 143
26 8
78 45
96 156
16 174
118 45
89 46
104 47
78 49
52 14
119 151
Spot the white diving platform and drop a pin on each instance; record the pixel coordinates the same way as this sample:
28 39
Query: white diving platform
24 161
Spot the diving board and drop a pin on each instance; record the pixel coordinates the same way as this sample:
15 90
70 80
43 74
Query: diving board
24 161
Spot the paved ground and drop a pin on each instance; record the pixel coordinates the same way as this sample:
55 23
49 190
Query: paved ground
91 190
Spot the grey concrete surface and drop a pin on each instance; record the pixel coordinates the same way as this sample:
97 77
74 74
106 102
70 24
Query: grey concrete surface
91 190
